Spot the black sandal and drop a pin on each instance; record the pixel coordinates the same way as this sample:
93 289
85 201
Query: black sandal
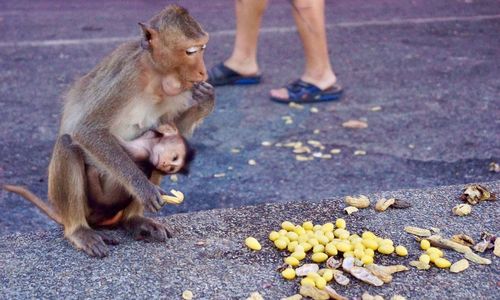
222 75
300 91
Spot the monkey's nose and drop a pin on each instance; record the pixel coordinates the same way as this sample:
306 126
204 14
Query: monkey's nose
204 75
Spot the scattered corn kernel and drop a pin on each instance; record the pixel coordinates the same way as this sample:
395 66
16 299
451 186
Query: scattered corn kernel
327 274
385 249
292 236
187 295
330 249
368 235
318 249
425 244
307 281
252 243
280 243
424 258
298 255
288 273
320 282
370 252
442 263
288 226
328 227
367 260
308 225
292 261
401 251
348 254
319 257
370 244
274 235
344 246
434 250
291 246
340 223
317 227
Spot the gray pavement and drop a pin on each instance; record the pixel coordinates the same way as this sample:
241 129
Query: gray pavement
208 256
432 66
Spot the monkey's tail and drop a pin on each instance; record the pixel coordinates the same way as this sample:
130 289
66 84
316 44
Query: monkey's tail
42 205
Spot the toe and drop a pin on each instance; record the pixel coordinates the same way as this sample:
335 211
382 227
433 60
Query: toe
281 93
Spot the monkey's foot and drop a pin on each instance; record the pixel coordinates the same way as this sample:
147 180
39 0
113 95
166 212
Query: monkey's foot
91 242
145 229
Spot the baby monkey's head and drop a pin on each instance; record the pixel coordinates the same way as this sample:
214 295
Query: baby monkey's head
171 154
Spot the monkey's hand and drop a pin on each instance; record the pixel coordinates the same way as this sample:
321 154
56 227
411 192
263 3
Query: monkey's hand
204 97
151 197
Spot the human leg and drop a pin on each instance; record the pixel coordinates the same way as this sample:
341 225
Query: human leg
309 17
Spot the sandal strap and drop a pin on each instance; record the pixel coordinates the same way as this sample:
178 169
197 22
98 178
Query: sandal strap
300 89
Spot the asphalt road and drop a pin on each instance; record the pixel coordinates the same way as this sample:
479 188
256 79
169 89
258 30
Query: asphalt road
432 66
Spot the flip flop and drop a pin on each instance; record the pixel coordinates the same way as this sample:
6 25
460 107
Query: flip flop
300 91
222 75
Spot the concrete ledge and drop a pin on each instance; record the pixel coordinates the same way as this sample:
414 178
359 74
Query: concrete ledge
208 256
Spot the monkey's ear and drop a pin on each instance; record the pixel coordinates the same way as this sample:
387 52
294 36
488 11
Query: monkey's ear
149 34
167 129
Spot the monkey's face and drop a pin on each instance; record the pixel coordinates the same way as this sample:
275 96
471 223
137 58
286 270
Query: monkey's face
169 154
183 63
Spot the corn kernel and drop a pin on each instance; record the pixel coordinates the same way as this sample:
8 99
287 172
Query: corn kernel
292 261
434 256
330 249
358 245
327 227
282 232
327 274
340 223
386 249
318 248
302 238
299 248
292 236
317 227
252 243
306 246
434 250
425 244
319 257
368 235
291 246
307 281
298 255
370 252
424 258
442 263
288 273
313 242
343 246
280 243
320 282
288 226
401 251
308 225
370 244
299 230
274 235
358 253
323 240
366 259
330 235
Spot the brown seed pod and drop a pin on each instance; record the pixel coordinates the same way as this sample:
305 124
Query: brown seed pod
475 193
398 203
463 239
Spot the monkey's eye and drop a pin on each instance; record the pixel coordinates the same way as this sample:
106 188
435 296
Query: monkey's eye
191 50
175 158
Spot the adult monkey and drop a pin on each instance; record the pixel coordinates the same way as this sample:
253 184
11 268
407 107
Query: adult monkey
136 87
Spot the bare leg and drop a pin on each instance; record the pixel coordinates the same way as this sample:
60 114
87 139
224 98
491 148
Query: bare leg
309 17
67 184
248 18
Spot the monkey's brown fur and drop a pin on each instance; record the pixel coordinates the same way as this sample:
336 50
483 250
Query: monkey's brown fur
124 96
